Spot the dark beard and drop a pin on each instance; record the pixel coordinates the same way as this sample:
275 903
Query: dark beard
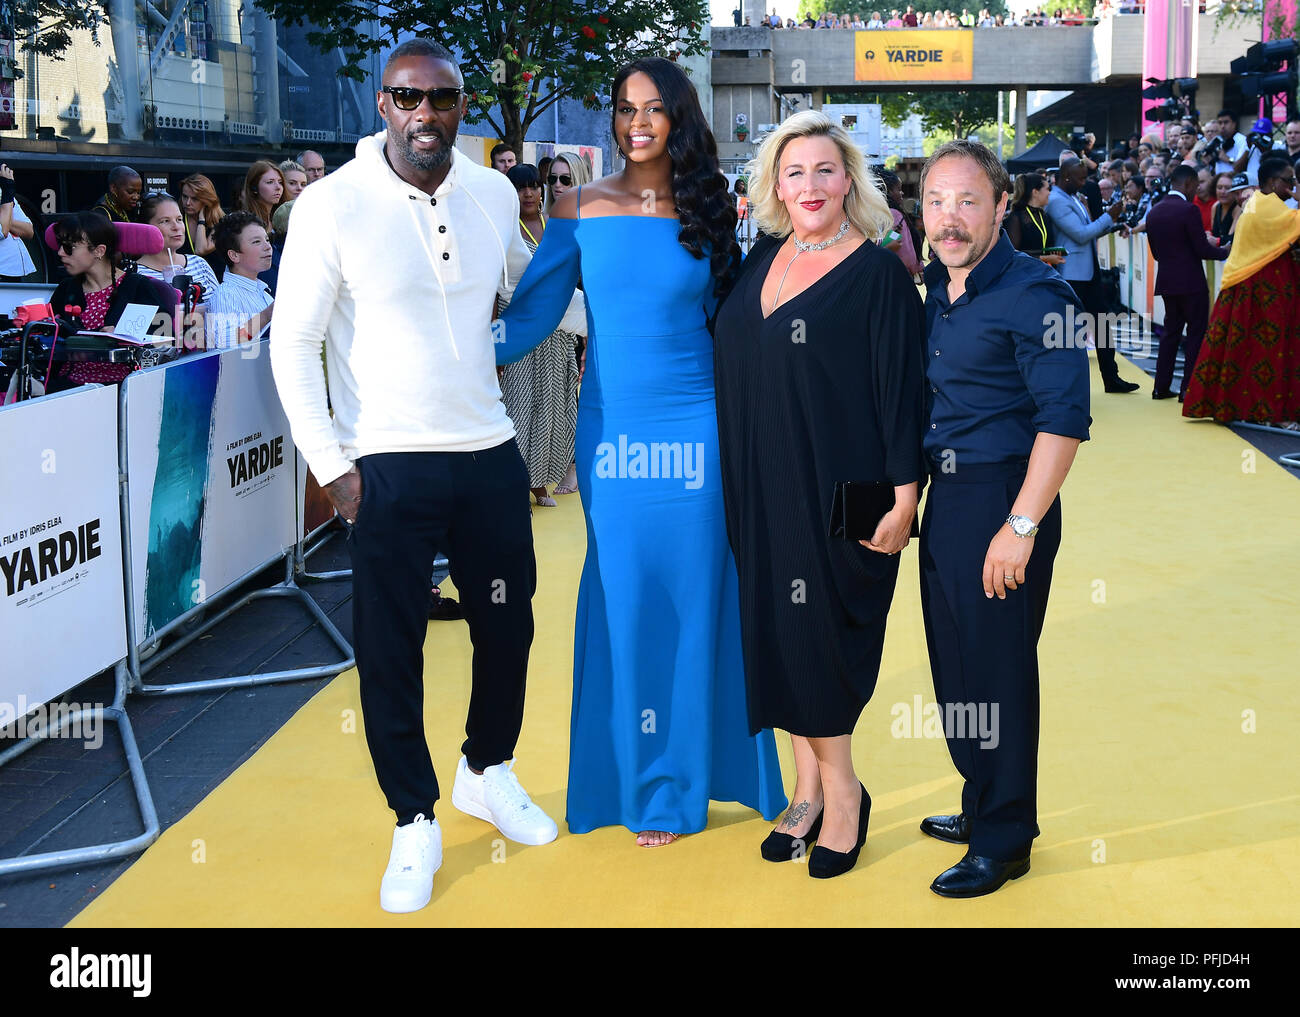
424 161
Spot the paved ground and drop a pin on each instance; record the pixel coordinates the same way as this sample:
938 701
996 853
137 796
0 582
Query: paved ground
62 795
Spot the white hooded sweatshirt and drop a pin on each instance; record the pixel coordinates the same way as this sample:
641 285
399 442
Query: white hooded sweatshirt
399 285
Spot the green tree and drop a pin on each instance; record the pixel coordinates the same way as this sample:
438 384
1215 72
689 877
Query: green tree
46 26
509 50
958 114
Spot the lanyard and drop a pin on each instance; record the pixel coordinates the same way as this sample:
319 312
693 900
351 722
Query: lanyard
525 228
1037 221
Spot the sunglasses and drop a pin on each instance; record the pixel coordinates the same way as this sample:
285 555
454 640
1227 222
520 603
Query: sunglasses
68 246
158 194
407 99
564 179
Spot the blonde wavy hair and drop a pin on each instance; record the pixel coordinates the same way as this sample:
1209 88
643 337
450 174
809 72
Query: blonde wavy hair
864 205
578 169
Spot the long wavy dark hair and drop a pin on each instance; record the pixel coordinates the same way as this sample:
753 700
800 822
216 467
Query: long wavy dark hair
705 212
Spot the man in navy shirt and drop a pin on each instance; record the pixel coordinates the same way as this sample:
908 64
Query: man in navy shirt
1007 402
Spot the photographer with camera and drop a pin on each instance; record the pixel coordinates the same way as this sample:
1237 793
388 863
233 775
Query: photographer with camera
1259 144
1231 143
1134 198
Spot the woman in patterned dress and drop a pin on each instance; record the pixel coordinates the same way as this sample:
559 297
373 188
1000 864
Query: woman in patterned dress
1249 365
541 390
565 173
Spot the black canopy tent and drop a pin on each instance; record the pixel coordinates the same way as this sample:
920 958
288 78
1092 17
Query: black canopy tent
1043 155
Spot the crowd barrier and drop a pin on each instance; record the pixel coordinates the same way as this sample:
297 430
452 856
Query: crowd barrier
1137 274
63 617
1132 258
126 515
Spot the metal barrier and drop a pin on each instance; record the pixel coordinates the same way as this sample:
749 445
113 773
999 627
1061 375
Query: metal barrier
78 426
139 783
290 553
1137 275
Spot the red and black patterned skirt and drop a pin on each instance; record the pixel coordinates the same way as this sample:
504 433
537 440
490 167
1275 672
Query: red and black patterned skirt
1249 366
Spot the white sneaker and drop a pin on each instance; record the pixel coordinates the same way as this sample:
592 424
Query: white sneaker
496 796
416 856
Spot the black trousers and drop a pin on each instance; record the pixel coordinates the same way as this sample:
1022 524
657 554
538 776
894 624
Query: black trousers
473 505
1184 310
1090 302
984 652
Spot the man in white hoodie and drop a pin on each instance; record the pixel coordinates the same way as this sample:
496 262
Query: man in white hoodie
393 262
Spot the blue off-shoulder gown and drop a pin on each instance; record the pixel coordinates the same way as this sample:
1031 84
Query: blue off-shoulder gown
659 723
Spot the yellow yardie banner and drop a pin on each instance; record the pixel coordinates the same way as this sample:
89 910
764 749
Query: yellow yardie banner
913 55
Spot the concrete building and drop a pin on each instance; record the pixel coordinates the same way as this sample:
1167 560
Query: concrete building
766 74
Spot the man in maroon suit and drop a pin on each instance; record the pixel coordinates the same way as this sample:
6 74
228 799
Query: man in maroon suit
1178 244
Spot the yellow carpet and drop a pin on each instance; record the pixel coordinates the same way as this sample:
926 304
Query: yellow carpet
1171 630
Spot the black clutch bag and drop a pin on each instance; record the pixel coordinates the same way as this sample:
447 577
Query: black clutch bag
857 508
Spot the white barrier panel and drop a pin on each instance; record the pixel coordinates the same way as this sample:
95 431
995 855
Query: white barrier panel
1138 272
314 506
62 613
1122 250
211 473
1137 266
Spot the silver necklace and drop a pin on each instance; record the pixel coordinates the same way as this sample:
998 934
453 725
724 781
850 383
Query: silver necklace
799 248
802 247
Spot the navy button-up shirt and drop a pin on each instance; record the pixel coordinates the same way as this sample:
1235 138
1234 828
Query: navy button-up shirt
1004 360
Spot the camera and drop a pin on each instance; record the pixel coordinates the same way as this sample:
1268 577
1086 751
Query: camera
1215 146
1158 188
1131 216
1261 136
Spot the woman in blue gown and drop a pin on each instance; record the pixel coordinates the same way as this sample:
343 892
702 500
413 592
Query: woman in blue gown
659 725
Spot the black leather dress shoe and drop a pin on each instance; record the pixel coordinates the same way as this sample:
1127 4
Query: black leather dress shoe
1162 395
953 829
443 608
974 876
1119 385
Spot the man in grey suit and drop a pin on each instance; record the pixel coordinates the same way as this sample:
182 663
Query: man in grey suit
1076 231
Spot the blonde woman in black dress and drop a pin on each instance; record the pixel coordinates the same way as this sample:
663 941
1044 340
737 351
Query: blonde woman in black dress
818 365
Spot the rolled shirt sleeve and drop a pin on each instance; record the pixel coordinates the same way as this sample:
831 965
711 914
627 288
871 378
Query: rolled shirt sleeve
1052 359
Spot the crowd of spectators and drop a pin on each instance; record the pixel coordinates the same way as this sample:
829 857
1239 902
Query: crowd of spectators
909 17
219 266
1196 192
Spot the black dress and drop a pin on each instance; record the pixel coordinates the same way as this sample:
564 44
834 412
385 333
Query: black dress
1029 230
826 389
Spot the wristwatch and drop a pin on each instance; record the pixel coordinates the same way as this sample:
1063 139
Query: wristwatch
1022 526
